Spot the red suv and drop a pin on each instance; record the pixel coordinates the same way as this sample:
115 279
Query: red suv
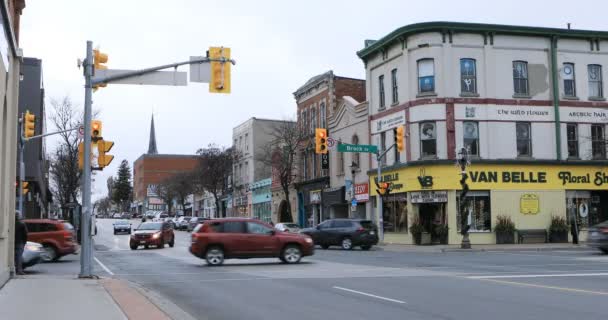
57 237
152 234
220 239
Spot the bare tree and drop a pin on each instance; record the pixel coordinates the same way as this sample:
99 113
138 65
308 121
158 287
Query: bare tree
214 171
165 191
181 185
280 153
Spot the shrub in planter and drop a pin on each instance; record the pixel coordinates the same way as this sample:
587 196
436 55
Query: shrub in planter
558 230
505 230
442 232
416 229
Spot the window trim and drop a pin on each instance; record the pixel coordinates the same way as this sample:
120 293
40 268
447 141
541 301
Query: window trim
426 93
422 156
602 141
478 154
394 87
381 92
599 97
529 124
573 95
474 77
527 79
575 125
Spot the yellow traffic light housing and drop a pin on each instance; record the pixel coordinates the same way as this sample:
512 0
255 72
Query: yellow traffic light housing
220 70
95 130
98 59
399 138
29 124
80 156
103 159
384 188
25 186
320 141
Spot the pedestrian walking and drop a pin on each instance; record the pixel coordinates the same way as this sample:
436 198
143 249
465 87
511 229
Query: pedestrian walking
20 240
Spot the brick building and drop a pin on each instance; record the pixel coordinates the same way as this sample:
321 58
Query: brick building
317 100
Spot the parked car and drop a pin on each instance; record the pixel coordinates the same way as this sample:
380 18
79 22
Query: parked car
242 238
182 222
287 227
57 237
32 254
170 221
347 233
122 226
125 215
152 234
116 216
194 221
597 237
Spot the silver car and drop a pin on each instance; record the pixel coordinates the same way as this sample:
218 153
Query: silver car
598 237
32 254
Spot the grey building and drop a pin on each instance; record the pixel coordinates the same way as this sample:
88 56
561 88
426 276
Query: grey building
31 98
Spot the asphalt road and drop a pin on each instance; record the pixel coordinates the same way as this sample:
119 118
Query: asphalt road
376 284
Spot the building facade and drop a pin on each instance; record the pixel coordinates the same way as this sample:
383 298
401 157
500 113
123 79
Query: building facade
251 142
527 103
10 60
316 101
348 170
261 199
31 98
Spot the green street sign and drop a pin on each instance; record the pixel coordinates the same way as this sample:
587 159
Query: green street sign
343 147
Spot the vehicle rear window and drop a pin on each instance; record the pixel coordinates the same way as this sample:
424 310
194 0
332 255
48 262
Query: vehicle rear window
150 226
366 224
341 224
233 227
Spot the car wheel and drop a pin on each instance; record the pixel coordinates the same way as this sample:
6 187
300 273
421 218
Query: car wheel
161 245
347 243
146 246
129 231
172 242
324 246
133 247
367 247
291 254
214 256
49 253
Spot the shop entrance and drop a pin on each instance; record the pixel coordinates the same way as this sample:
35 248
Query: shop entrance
432 216
589 207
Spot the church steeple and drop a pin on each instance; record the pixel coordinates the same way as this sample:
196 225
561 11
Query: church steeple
152 146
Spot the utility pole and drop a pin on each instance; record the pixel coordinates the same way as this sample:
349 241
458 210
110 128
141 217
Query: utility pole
86 254
380 219
21 166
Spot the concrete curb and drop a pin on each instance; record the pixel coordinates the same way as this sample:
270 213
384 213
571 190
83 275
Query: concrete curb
164 304
537 249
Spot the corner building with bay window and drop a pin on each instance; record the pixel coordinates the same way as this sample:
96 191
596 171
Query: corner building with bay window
528 103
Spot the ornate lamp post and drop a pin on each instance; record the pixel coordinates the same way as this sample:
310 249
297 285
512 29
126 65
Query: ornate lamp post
463 162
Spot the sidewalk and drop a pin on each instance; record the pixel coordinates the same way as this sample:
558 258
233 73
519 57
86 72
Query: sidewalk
483 247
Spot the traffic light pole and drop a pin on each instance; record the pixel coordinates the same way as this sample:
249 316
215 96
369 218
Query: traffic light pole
380 217
86 251
21 167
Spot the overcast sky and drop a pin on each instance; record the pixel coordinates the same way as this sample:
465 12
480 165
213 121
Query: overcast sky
278 45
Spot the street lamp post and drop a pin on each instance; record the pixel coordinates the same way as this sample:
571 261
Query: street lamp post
464 162
353 170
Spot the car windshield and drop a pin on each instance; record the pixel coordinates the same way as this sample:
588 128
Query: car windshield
150 226
194 219
291 225
122 222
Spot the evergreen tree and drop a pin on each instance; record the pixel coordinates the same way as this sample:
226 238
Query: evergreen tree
122 189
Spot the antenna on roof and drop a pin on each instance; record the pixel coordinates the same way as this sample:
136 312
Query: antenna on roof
568 25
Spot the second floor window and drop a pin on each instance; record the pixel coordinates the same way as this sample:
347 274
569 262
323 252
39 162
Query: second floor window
314 165
520 78
305 165
598 142
524 139
381 91
323 115
428 139
595 81
468 76
313 119
569 84
572 133
471 137
426 76
394 86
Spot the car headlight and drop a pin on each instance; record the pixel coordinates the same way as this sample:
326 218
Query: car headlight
33 247
309 240
156 235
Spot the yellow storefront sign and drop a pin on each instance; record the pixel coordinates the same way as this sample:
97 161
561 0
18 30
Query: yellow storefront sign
496 177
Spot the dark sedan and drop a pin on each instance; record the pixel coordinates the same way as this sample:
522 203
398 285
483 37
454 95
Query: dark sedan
598 237
123 226
347 233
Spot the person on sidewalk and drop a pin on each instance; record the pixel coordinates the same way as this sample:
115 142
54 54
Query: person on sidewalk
20 241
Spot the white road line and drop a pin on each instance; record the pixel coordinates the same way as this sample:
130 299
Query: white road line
515 276
103 266
369 295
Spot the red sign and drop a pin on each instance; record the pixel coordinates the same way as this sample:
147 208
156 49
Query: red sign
362 192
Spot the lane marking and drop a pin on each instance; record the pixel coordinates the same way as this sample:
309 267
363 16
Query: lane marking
369 295
551 275
104 267
548 287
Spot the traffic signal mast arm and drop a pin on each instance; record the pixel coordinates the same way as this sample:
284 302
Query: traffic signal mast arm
49 134
126 75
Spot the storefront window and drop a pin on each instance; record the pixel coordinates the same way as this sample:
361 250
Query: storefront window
586 207
478 208
395 213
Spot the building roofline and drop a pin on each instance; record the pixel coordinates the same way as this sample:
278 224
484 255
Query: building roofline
443 26
146 155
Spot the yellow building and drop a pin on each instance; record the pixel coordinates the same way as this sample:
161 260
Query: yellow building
530 194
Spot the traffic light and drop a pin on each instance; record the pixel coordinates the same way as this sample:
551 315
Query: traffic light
95 130
384 188
399 138
81 155
103 159
220 71
29 124
98 59
320 141
25 186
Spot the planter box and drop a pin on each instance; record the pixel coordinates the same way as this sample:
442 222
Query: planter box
505 237
417 238
558 237
425 238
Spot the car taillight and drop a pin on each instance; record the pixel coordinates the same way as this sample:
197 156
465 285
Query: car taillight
604 230
67 235
361 229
